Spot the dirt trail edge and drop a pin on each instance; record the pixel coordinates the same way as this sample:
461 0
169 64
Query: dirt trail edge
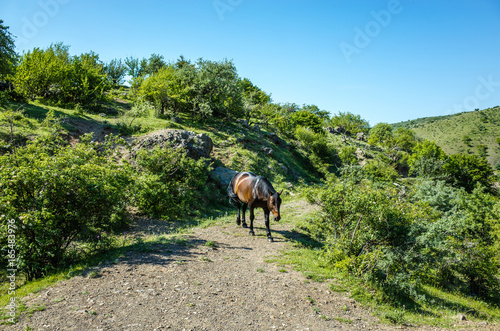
192 285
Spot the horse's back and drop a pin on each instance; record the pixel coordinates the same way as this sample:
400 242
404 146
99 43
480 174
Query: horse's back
243 185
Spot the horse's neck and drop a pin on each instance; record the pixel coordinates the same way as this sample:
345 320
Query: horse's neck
261 189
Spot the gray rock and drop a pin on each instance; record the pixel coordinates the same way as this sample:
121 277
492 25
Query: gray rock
196 145
222 176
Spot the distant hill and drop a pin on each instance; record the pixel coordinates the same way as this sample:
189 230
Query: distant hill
469 132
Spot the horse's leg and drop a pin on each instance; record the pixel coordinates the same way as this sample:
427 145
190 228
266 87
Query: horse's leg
252 217
266 216
244 211
238 219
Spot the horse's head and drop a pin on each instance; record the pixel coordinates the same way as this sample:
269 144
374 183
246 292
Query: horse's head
274 203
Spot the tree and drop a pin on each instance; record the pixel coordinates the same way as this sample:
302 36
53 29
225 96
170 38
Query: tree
427 159
38 71
133 66
116 71
58 78
8 56
350 122
307 119
216 88
252 94
464 170
405 139
381 134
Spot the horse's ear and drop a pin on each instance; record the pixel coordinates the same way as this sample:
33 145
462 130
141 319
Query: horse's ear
280 192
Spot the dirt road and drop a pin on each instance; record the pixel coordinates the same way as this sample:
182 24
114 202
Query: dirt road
214 279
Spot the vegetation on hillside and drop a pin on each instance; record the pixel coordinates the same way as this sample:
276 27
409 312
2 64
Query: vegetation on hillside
475 132
396 212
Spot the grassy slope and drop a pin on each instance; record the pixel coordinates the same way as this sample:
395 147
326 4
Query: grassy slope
482 127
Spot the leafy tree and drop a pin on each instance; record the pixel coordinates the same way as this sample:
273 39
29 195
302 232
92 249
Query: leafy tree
350 122
322 114
405 139
58 78
116 71
464 170
307 119
381 134
216 89
154 64
85 82
132 66
8 56
253 94
167 91
38 71
427 159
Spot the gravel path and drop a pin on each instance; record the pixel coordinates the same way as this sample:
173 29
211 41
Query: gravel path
192 285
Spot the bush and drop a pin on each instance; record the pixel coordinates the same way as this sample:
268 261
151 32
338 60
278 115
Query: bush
57 196
464 238
370 232
427 160
168 182
380 171
347 155
464 170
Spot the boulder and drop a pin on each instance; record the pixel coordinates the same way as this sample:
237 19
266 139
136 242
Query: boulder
222 176
196 145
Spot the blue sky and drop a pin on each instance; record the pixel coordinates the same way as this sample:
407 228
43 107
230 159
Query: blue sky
386 60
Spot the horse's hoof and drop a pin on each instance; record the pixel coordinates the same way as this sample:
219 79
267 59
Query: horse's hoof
238 222
252 233
270 239
245 225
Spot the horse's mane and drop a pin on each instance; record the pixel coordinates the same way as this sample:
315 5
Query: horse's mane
262 186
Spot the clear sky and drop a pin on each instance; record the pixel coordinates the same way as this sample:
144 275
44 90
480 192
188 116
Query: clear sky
386 60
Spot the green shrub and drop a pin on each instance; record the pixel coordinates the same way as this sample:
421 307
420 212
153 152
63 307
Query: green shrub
380 171
464 240
370 232
347 155
427 160
57 196
316 144
464 170
168 182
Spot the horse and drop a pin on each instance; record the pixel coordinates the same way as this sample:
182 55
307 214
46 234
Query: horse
248 190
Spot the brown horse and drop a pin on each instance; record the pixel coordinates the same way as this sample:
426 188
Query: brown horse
249 190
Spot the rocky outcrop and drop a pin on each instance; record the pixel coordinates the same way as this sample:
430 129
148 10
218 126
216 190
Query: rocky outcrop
196 145
222 176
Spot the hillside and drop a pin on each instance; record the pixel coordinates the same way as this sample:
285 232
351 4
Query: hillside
462 133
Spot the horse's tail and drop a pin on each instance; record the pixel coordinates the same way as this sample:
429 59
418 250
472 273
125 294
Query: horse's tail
233 197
